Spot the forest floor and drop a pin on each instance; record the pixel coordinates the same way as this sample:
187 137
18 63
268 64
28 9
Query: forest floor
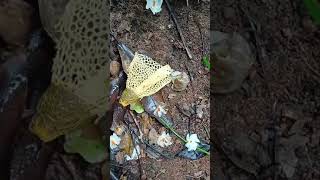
156 34
269 129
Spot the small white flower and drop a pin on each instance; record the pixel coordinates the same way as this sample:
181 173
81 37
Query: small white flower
160 111
154 6
114 141
192 142
164 139
135 154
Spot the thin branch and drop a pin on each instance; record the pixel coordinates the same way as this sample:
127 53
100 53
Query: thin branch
179 30
114 177
168 156
134 145
137 124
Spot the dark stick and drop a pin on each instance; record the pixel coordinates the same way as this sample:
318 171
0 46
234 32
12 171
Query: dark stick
272 136
256 29
113 176
196 20
134 144
146 143
179 30
316 74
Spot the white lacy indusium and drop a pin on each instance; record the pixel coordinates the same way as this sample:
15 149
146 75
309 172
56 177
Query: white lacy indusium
135 154
154 6
192 142
164 139
114 141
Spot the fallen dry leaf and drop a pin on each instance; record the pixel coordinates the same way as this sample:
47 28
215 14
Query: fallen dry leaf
146 123
126 143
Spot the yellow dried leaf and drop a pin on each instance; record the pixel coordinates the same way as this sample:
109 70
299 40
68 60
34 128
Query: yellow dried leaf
126 143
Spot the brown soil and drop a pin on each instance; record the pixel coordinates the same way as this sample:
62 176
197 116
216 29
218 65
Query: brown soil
157 35
269 129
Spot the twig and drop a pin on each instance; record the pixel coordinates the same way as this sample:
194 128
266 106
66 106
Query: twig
190 75
207 132
316 74
134 145
147 144
168 156
256 30
179 30
137 124
201 35
70 168
114 37
193 114
195 177
273 134
113 176
161 172
117 165
189 123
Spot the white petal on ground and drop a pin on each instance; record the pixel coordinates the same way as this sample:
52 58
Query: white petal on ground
192 142
114 141
164 139
135 154
154 5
